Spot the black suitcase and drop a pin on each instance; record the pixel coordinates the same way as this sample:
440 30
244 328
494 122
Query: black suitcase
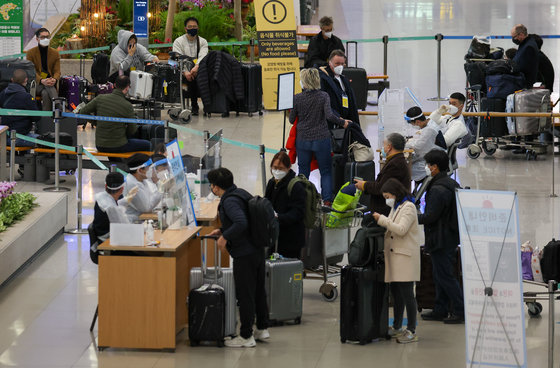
252 90
207 315
493 127
149 132
167 82
7 68
358 80
100 68
337 172
219 104
364 170
364 305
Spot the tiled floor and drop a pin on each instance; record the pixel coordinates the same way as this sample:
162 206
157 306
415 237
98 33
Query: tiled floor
46 310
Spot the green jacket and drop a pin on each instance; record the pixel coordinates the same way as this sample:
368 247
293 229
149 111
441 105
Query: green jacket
111 134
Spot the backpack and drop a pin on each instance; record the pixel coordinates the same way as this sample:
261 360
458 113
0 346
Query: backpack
367 243
550 261
312 200
100 68
502 67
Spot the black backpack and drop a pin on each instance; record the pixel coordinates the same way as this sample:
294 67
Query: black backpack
502 67
366 246
550 261
100 68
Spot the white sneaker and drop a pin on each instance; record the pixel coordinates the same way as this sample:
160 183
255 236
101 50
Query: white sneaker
408 337
394 333
261 335
240 342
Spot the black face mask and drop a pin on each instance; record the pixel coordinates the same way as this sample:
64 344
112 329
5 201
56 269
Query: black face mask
515 41
192 32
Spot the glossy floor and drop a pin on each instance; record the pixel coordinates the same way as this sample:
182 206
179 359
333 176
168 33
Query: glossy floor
45 311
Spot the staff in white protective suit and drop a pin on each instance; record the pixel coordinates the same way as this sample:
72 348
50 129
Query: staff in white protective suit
423 141
146 199
452 125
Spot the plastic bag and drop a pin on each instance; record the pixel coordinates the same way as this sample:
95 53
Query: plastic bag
536 265
526 260
346 200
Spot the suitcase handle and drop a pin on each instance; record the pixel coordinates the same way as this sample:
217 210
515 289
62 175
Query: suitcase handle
217 257
355 51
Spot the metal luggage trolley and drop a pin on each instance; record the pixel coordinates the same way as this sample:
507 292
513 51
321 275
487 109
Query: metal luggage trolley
531 298
335 241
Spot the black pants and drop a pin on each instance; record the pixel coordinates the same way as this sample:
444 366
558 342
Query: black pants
448 290
192 88
249 273
403 295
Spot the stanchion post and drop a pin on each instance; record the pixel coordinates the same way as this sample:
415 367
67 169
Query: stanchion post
78 229
551 293
385 47
438 38
12 155
113 168
57 109
553 194
263 167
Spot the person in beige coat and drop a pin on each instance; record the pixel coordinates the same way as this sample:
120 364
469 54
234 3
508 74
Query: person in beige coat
402 256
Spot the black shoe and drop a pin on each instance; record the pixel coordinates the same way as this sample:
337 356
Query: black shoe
454 320
431 316
194 109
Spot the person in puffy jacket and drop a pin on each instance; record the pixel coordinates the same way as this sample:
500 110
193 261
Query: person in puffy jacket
402 256
128 55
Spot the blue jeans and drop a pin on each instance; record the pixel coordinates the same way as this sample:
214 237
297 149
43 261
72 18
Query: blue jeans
23 143
132 145
448 289
322 150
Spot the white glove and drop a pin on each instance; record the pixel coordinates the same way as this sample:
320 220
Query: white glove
443 109
131 194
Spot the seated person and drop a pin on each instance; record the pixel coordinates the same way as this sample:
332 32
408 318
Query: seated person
322 44
145 199
423 141
113 136
195 47
453 125
47 67
15 96
128 55
343 101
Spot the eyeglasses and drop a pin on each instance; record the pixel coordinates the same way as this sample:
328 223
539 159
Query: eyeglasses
43 37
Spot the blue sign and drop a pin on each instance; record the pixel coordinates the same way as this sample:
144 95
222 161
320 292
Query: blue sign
140 15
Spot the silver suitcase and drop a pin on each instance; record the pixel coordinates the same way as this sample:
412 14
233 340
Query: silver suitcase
531 100
284 289
203 275
141 84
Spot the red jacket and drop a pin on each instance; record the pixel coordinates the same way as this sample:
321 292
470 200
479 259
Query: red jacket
291 147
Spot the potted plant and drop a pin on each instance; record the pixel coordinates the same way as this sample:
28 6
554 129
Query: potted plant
250 33
162 52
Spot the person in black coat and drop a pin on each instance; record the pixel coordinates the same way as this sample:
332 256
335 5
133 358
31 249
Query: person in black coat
441 230
546 69
322 44
289 207
527 55
15 96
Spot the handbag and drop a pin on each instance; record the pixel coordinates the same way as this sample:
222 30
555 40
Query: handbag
360 152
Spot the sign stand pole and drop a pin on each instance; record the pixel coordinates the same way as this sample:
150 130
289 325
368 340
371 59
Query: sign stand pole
284 133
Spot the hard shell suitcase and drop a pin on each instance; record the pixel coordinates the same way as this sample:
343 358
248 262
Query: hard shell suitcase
550 261
207 314
7 67
167 82
149 132
492 127
224 277
100 68
284 289
357 78
74 89
252 90
364 304
365 171
220 104
141 84
532 100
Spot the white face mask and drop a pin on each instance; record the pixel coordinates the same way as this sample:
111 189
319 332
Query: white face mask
279 174
328 34
428 171
338 69
45 42
390 202
453 110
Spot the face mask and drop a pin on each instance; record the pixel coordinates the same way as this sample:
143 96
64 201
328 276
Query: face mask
453 109
192 32
390 202
428 171
338 69
45 42
328 34
515 41
279 174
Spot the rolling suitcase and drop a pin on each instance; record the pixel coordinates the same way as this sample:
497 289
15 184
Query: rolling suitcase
252 91
219 104
207 314
339 165
364 305
493 127
284 289
74 89
100 68
167 82
224 277
358 79
364 170
141 84
532 100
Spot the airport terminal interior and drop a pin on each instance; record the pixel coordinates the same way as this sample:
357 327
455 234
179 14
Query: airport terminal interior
47 307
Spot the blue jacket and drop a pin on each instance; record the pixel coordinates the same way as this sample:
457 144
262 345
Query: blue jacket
527 57
234 215
15 96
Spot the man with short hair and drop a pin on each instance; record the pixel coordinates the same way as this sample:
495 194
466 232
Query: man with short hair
113 136
395 167
15 96
527 55
452 125
343 101
248 258
47 67
441 230
322 44
195 47
109 206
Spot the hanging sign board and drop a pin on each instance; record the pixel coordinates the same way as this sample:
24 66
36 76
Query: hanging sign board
140 11
11 27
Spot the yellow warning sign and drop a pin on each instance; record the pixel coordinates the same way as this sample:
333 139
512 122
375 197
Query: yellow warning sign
276 29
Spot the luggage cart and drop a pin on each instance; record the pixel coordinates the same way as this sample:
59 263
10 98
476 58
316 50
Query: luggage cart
531 298
334 244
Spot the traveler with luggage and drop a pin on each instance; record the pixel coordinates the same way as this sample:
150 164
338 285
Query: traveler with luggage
15 96
342 98
441 230
288 199
402 256
248 258
47 67
527 55
128 55
313 112
322 44
423 141
452 125
146 198
113 136
395 167
196 48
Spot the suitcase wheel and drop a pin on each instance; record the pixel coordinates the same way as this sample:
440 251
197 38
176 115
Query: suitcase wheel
195 342
298 321
331 296
260 113
342 340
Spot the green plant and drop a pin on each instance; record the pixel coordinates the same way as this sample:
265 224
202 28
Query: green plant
14 207
69 28
124 11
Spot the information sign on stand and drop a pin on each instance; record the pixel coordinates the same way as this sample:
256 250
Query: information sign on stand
11 27
286 85
492 284
140 14
181 196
